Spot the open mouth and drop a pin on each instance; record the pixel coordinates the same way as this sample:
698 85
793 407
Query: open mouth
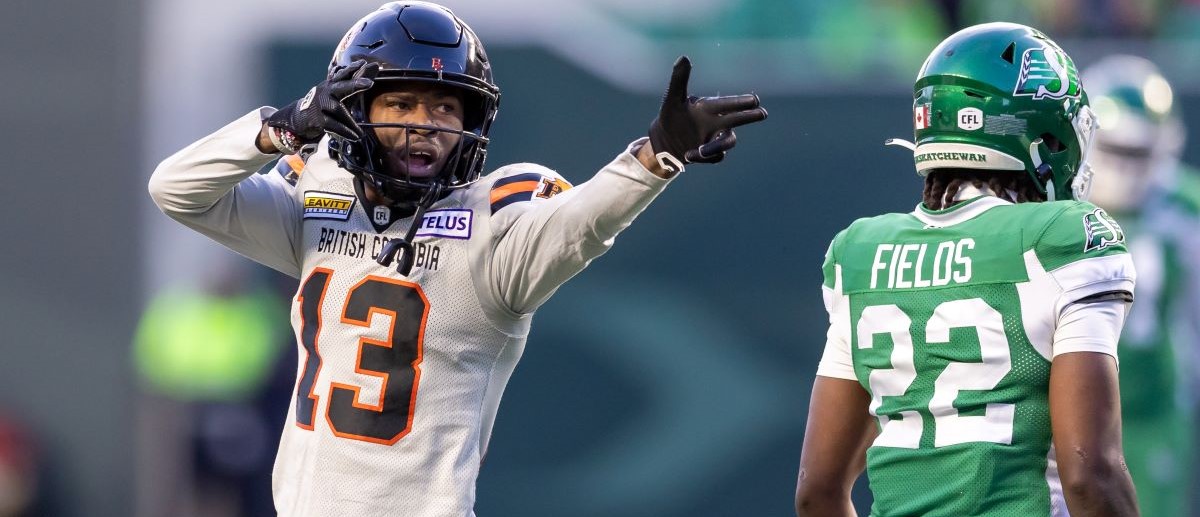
418 162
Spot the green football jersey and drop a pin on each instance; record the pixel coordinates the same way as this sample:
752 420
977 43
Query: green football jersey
948 317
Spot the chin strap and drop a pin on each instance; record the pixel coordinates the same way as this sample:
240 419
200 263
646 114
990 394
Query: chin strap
900 142
403 247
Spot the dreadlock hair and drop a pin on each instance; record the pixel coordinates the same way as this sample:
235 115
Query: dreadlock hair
941 185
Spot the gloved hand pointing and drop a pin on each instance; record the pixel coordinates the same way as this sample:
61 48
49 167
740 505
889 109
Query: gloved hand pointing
693 129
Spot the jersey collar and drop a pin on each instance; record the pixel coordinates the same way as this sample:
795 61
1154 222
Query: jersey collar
959 212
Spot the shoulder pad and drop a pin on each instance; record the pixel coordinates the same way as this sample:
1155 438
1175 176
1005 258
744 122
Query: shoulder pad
831 258
290 166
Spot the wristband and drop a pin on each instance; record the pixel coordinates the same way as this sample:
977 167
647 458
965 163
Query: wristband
284 141
669 162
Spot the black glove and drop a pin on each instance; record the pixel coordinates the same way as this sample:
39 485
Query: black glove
699 129
305 121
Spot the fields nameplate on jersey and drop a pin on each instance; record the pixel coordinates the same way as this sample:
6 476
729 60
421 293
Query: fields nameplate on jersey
936 260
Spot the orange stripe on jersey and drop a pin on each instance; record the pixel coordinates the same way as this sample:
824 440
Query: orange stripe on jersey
513 188
295 162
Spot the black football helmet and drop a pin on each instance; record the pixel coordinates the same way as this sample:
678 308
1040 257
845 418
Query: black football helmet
415 41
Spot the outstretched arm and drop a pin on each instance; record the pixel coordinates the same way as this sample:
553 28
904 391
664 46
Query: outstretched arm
554 240
835 445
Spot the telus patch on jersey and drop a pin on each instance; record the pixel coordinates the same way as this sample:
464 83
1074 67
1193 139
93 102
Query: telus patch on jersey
452 223
327 205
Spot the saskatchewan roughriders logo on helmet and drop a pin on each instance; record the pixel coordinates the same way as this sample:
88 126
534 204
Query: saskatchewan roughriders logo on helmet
1047 73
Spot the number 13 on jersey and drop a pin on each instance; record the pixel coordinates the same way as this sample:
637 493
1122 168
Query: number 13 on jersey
395 361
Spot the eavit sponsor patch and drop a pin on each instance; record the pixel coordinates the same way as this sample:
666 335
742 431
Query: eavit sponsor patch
327 205
450 223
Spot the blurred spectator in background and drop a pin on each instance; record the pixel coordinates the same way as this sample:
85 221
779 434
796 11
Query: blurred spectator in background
1073 18
218 351
18 471
1141 182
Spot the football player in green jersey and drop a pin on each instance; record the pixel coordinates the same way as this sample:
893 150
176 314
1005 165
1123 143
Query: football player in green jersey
970 365
1140 181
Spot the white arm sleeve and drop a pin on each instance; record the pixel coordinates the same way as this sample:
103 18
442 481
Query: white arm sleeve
211 187
836 360
553 240
1090 327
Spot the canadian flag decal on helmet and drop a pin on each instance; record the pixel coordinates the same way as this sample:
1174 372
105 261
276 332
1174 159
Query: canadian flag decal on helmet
921 116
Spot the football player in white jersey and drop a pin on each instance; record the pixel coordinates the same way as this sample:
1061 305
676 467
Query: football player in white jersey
418 276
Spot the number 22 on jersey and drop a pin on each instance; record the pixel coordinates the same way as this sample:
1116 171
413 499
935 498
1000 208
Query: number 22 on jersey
395 361
994 425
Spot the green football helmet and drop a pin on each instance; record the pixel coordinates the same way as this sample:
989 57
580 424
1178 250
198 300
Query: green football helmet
1003 96
1142 138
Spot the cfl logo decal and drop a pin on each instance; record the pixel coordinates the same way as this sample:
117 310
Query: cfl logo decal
970 119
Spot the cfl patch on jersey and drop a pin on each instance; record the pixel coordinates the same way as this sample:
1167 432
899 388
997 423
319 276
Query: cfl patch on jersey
450 223
327 205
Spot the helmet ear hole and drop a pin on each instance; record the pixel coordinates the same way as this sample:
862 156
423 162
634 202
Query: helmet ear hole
1053 143
1007 55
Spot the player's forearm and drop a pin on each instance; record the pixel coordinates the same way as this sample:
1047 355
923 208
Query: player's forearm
818 502
195 178
568 232
596 211
1085 417
1101 489
645 155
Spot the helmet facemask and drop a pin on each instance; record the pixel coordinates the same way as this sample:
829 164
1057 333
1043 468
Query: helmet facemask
368 158
1085 125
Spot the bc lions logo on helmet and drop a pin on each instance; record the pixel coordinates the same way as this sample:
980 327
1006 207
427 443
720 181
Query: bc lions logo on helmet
1047 73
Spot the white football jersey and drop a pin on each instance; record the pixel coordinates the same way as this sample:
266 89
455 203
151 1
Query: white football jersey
399 376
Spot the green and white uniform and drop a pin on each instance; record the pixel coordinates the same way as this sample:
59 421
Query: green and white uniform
950 320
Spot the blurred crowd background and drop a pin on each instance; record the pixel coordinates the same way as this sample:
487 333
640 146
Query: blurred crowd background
145 371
